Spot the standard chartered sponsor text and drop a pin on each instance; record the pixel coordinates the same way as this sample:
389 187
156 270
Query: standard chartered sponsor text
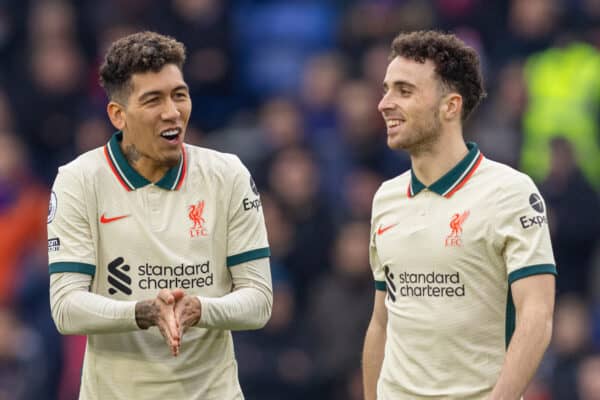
431 284
183 276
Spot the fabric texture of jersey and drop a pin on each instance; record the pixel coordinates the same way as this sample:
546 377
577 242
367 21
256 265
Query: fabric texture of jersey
135 238
447 254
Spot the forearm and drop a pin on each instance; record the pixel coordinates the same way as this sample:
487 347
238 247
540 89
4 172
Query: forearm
373 353
243 309
248 306
527 346
76 311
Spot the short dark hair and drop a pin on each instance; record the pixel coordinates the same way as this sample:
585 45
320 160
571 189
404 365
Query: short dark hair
456 64
138 52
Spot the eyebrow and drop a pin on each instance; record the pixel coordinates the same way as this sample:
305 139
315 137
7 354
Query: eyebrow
151 93
401 83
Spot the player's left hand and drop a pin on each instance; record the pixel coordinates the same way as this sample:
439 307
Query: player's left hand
188 311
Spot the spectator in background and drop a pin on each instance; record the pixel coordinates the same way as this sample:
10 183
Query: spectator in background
497 127
22 367
570 344
322 77
294 182
531 27
281 127
562 91
339 308
588 378
52 91
91 132
23 203
275 363
6 112
360 186
574 218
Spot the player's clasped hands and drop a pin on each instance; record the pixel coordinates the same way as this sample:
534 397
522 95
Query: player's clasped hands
174 313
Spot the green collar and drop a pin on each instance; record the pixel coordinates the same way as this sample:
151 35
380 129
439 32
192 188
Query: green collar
130 178
454 179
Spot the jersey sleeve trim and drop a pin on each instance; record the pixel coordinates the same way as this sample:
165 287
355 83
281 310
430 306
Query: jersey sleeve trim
248 256
380 285
81 268
532 270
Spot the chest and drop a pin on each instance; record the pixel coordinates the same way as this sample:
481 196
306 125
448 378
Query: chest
430 231
180 220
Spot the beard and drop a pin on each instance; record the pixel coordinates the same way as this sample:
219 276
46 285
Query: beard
424 133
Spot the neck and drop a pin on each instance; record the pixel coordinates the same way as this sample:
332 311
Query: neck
431 164
142 164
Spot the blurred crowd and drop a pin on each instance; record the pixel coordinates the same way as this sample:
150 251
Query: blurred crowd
292 87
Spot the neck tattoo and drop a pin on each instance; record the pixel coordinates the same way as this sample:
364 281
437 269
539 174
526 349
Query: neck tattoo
132 154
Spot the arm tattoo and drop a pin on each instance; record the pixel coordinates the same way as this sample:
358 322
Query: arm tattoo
145 314
132 154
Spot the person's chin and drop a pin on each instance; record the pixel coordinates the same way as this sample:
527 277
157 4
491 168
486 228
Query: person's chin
171 158
395 142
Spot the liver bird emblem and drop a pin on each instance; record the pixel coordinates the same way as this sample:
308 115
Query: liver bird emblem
456 223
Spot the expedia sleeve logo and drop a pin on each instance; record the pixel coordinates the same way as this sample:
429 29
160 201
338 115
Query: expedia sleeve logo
536 202
250 204
528 221
253 186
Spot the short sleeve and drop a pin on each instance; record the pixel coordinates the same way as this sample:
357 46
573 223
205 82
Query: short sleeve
374 261
246 231
522 226
70 244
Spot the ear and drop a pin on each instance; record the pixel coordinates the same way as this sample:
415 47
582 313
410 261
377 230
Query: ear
116 114
452 106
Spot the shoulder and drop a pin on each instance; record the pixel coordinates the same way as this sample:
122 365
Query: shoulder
393 187
215 168
85 165
510 190
213 160
507 179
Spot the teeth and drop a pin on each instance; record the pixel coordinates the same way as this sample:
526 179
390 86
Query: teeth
392 123
170 134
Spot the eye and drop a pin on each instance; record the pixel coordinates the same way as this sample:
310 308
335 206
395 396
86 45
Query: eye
181 95
405 93
151 101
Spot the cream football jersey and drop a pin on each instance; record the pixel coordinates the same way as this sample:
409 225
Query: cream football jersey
447 254
134 237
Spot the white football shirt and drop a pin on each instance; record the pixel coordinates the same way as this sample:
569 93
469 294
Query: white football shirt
135 238
447 254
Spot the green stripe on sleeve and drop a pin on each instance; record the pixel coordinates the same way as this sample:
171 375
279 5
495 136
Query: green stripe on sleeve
532 270
380 285
81 268
511 316
248 256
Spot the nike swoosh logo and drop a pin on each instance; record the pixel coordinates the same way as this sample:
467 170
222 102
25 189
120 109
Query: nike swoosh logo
105 220
381 229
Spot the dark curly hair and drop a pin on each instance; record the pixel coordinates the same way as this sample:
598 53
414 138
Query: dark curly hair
139 52
456 64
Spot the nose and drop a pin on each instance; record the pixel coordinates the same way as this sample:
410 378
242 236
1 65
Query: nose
385 103
170 111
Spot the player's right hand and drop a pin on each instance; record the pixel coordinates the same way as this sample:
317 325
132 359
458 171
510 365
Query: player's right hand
166 321
160 312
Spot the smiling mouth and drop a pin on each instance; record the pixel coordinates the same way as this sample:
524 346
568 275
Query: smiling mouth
392 123
171 135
